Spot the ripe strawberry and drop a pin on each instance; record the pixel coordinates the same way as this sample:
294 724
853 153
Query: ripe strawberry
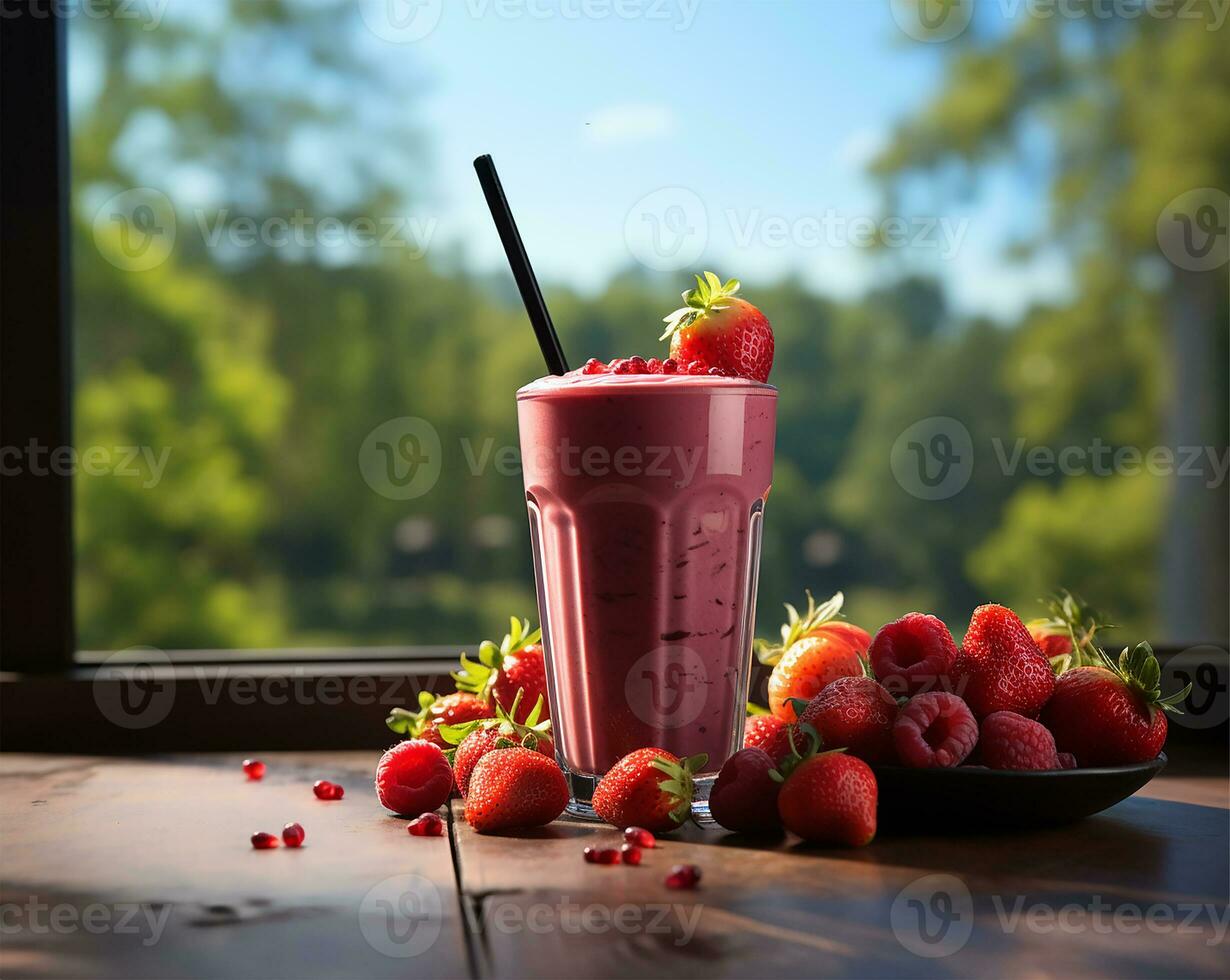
473 740
912 654
413 777
1007 740
854 713
934 730
1066 638
515 787
451 709
1114 714
744 796
501 671
721 331
767 732
830 798
1000 667
648 788
816 649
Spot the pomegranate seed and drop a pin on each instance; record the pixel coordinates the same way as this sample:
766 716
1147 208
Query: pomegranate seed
591 855
326 790
670 366
263 841
594 366
620 366
630 854
640 837
338 792
426 825
696 367
717 372
638 365
607 855
653 366
254 768
292 835
683 876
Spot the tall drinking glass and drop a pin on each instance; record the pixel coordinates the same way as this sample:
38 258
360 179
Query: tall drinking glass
645 496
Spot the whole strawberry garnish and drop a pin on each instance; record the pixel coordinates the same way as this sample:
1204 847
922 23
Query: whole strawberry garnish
451 709
817 648
830 798
501 671
768 732
854 713
472 741
744 796
515 787
648 788
721 331
1000 667
1114 714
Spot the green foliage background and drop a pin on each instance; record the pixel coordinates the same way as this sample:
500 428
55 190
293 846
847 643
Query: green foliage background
264 373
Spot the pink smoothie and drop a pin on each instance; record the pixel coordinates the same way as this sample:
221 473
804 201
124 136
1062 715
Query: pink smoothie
645 495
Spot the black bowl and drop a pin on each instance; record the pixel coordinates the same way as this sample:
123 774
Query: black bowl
970 799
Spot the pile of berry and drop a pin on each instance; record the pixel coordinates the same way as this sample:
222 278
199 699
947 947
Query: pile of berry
639 365
918 700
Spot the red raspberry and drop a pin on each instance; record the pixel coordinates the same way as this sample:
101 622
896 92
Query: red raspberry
935 730
1012 741
413 777
913 654
594 366
770 733
854 713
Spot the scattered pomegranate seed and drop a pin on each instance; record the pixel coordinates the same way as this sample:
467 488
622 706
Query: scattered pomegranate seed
638 365
292 835
670 366
591 855
683 876
607 855
640 837
630 854
326 790
653 366
263 841
594 366
620 366
254 768
338 792
426 825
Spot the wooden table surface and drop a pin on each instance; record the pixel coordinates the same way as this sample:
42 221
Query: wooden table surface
142 868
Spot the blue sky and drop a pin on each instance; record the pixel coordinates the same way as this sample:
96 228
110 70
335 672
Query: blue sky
764 111
678 134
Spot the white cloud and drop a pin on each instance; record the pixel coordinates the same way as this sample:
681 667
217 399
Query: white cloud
621 124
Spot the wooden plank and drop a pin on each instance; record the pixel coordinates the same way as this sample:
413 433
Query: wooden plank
787 910
165 843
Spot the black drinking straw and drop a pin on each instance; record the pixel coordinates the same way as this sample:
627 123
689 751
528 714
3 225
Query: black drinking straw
531 295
